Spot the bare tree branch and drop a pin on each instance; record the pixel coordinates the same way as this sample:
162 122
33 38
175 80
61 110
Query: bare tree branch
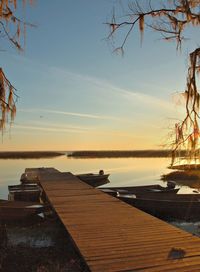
10 27
171 20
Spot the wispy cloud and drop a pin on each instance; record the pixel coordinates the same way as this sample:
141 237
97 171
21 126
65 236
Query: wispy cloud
103 85
73 129
109 87
49 129
75 114
43 123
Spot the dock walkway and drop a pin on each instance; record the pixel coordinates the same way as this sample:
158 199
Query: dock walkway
111 235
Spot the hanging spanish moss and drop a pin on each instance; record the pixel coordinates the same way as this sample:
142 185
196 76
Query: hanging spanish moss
7 100
187 132
12 29
171 20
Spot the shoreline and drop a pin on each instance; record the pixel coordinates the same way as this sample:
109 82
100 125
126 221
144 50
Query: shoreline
122 154
29 154
88 154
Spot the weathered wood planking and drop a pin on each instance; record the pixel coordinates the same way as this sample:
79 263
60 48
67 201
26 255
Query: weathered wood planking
113 236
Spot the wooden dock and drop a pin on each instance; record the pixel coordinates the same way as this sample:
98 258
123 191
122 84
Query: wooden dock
113 236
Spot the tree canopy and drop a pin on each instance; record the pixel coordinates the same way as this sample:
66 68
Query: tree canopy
170 18
13 29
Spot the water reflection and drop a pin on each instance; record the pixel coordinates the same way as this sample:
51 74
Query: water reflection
193 184
189 178
123 171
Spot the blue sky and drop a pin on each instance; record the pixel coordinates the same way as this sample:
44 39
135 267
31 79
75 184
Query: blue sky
76 94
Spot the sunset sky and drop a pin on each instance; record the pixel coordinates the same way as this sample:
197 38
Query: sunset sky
76 94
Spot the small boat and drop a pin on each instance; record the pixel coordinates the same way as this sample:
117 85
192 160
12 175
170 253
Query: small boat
141 190
20 187
166 206
24 192
32 175
27 178
94 179
16 210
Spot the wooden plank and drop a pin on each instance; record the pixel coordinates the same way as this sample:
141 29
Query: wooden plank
111 235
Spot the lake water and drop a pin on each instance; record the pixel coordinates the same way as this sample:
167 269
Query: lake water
123 171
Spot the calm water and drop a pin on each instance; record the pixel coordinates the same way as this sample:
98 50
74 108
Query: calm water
123 171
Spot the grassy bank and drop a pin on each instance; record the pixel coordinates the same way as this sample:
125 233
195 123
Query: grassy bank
122 154
29 154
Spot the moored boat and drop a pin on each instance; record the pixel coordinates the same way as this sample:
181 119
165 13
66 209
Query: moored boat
16 210
141 190
27 178
181 206
24 193
94 179
20 187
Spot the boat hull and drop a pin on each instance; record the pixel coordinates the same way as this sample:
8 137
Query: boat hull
33 196
140 190
17 210
94 179
24 192
187 209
